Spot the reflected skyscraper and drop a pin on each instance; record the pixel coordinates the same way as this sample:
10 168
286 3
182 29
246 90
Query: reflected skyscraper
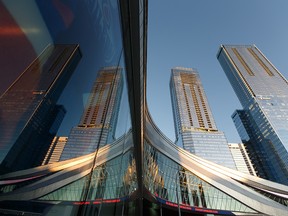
29 116
98 122
263 93
55 150
141 171
195 128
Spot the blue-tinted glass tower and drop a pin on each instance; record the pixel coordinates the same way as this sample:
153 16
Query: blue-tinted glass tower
195 128
263 93
257 154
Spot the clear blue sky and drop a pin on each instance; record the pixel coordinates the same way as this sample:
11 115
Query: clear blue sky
188 33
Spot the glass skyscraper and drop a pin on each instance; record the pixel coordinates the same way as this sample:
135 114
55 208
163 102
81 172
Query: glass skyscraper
263 93
55 150
241 158
98 122
138 170
195 128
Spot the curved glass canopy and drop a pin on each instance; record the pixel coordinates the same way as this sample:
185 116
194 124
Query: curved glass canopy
76 135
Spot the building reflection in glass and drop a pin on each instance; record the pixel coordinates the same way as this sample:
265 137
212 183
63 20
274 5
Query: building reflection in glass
98 122
134 167
29 115
191 190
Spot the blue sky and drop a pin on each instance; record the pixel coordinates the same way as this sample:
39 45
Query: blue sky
188 33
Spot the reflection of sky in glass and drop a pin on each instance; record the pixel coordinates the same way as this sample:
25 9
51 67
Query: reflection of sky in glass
94 25
29 19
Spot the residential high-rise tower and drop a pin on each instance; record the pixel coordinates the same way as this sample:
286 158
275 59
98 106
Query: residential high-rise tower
195 128
263 93
98 122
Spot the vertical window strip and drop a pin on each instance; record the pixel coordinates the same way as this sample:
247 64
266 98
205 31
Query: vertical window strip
231 64
97 105
187 105
247 68
197 107
204 107
107 101
264 66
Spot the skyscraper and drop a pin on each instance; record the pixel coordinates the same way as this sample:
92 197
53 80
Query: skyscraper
241 158
98 122
29 105
195 128
255 150
55 150
263 93
141 172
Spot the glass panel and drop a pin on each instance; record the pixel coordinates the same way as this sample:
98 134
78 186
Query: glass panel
65 126
173 185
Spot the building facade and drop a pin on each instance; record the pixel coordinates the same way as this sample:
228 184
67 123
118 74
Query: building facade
195 128
241 158
55 150
98 122
29 115
255 150
263 93
141 172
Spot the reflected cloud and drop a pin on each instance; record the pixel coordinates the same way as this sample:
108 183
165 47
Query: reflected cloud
15 31
26 14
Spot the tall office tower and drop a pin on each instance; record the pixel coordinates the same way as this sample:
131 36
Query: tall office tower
98 122
241 158
195 128
263 93
28 111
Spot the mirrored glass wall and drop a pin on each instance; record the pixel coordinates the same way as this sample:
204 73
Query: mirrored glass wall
65 124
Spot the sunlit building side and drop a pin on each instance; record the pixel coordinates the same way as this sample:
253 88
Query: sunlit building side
263 93
195 127
55 150
241 158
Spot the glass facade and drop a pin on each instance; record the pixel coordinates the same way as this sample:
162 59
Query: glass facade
241 158
256 152
29 115
171 182
262 91
195 128
177 178
65 48
115 161
98 122
105 182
